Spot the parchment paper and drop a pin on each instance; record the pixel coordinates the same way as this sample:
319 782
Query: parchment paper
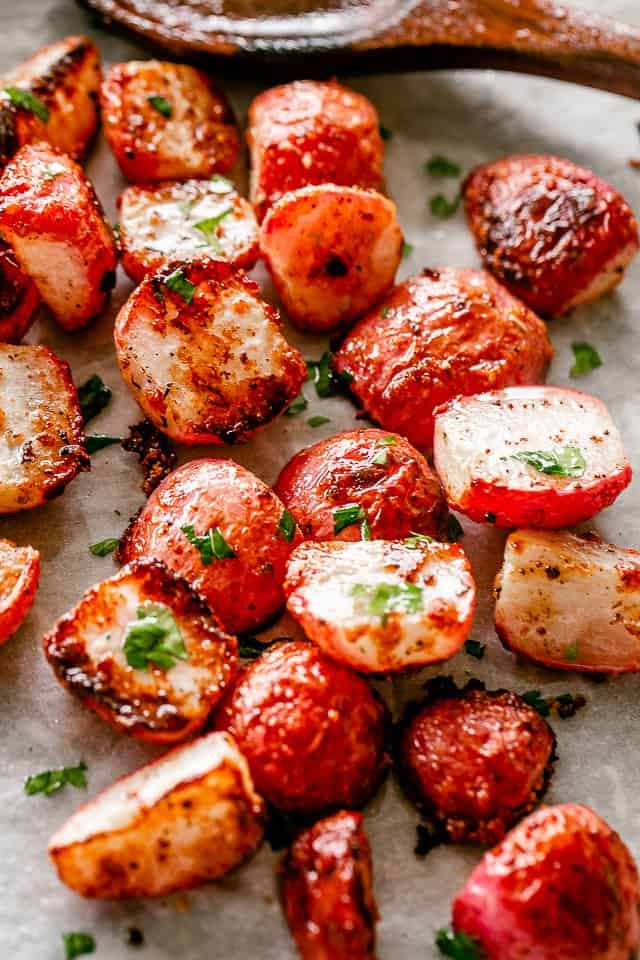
471 118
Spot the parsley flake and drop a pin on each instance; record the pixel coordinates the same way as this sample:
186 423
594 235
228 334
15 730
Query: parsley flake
320 373
441 166
211 545
25 100
475 649
535 699
563 462
209 226
442 207
586 359
571 653
287 526
154 638
77 943
53 170
50 781
407 250
318 421
384 312
386 598
365 530
415 539
93 396
99 442
104 547
161 105
250 647
457 945
180 285
346 516
381 458
220 184
297 406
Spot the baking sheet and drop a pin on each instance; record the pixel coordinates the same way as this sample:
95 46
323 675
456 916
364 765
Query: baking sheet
471 118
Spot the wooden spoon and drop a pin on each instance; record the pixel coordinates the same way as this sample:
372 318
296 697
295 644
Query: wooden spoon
320 37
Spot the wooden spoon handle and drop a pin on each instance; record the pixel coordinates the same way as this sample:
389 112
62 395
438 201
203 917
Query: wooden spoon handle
532 36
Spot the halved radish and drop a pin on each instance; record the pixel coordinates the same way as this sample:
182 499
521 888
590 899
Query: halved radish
382 605
19 576
188 817
570 602
529 456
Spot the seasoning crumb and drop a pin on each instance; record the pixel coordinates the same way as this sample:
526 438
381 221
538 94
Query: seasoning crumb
135 937
154 452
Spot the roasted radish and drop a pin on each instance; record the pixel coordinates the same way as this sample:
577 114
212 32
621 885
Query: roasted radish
562 885
166 121
19 298
313 732
308 132
144 651
437 336
52 96
529 456
190 220
19 576
41 439
382 606
475 762
360 485
554 233
332 252
204 355
51 217
569 602
327 890
188 817
225 532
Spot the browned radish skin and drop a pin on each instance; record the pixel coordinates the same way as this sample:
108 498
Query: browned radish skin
382 606
309 132
52 218
569 602
486 446
19 576
182 220
332 251
393 484
244 590
327 890
561 885
41 425
166 121
87 650
436 336
19 298
204 355
554 233
189 817
65 78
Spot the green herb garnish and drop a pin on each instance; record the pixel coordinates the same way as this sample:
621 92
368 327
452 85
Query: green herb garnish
586 359
319 372
407 250
93 396
50 172
221 184
25 100
415 539
161 105
297 406
380 458
77 943
441 166
457 945
99 442
50 781
345 378
318 421
384 312
211 545
571 653
346 516
563 462
180 285
535 699
154 638
104 547
208 228
365 530
475 649
250 647
442 207
287 526
385 598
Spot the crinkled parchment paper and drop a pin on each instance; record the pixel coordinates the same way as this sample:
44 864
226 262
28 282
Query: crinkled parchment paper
471 118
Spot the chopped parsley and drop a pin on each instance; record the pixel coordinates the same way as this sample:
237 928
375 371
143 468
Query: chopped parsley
99 442
161 105
407 250
318 421
385 133
586 359
154 638
180 285
319 372
415 539
389 441
51 171
571 653
345 378
93 396
365 530
299 404
457 945
563 462
211 545
50 781
454 529
385 598
209 226
25 100
287 526
220 184
346 516
442 207
475 649
104 547
77 943
535 699
565 704
384 312
380 458
441 166
250 647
